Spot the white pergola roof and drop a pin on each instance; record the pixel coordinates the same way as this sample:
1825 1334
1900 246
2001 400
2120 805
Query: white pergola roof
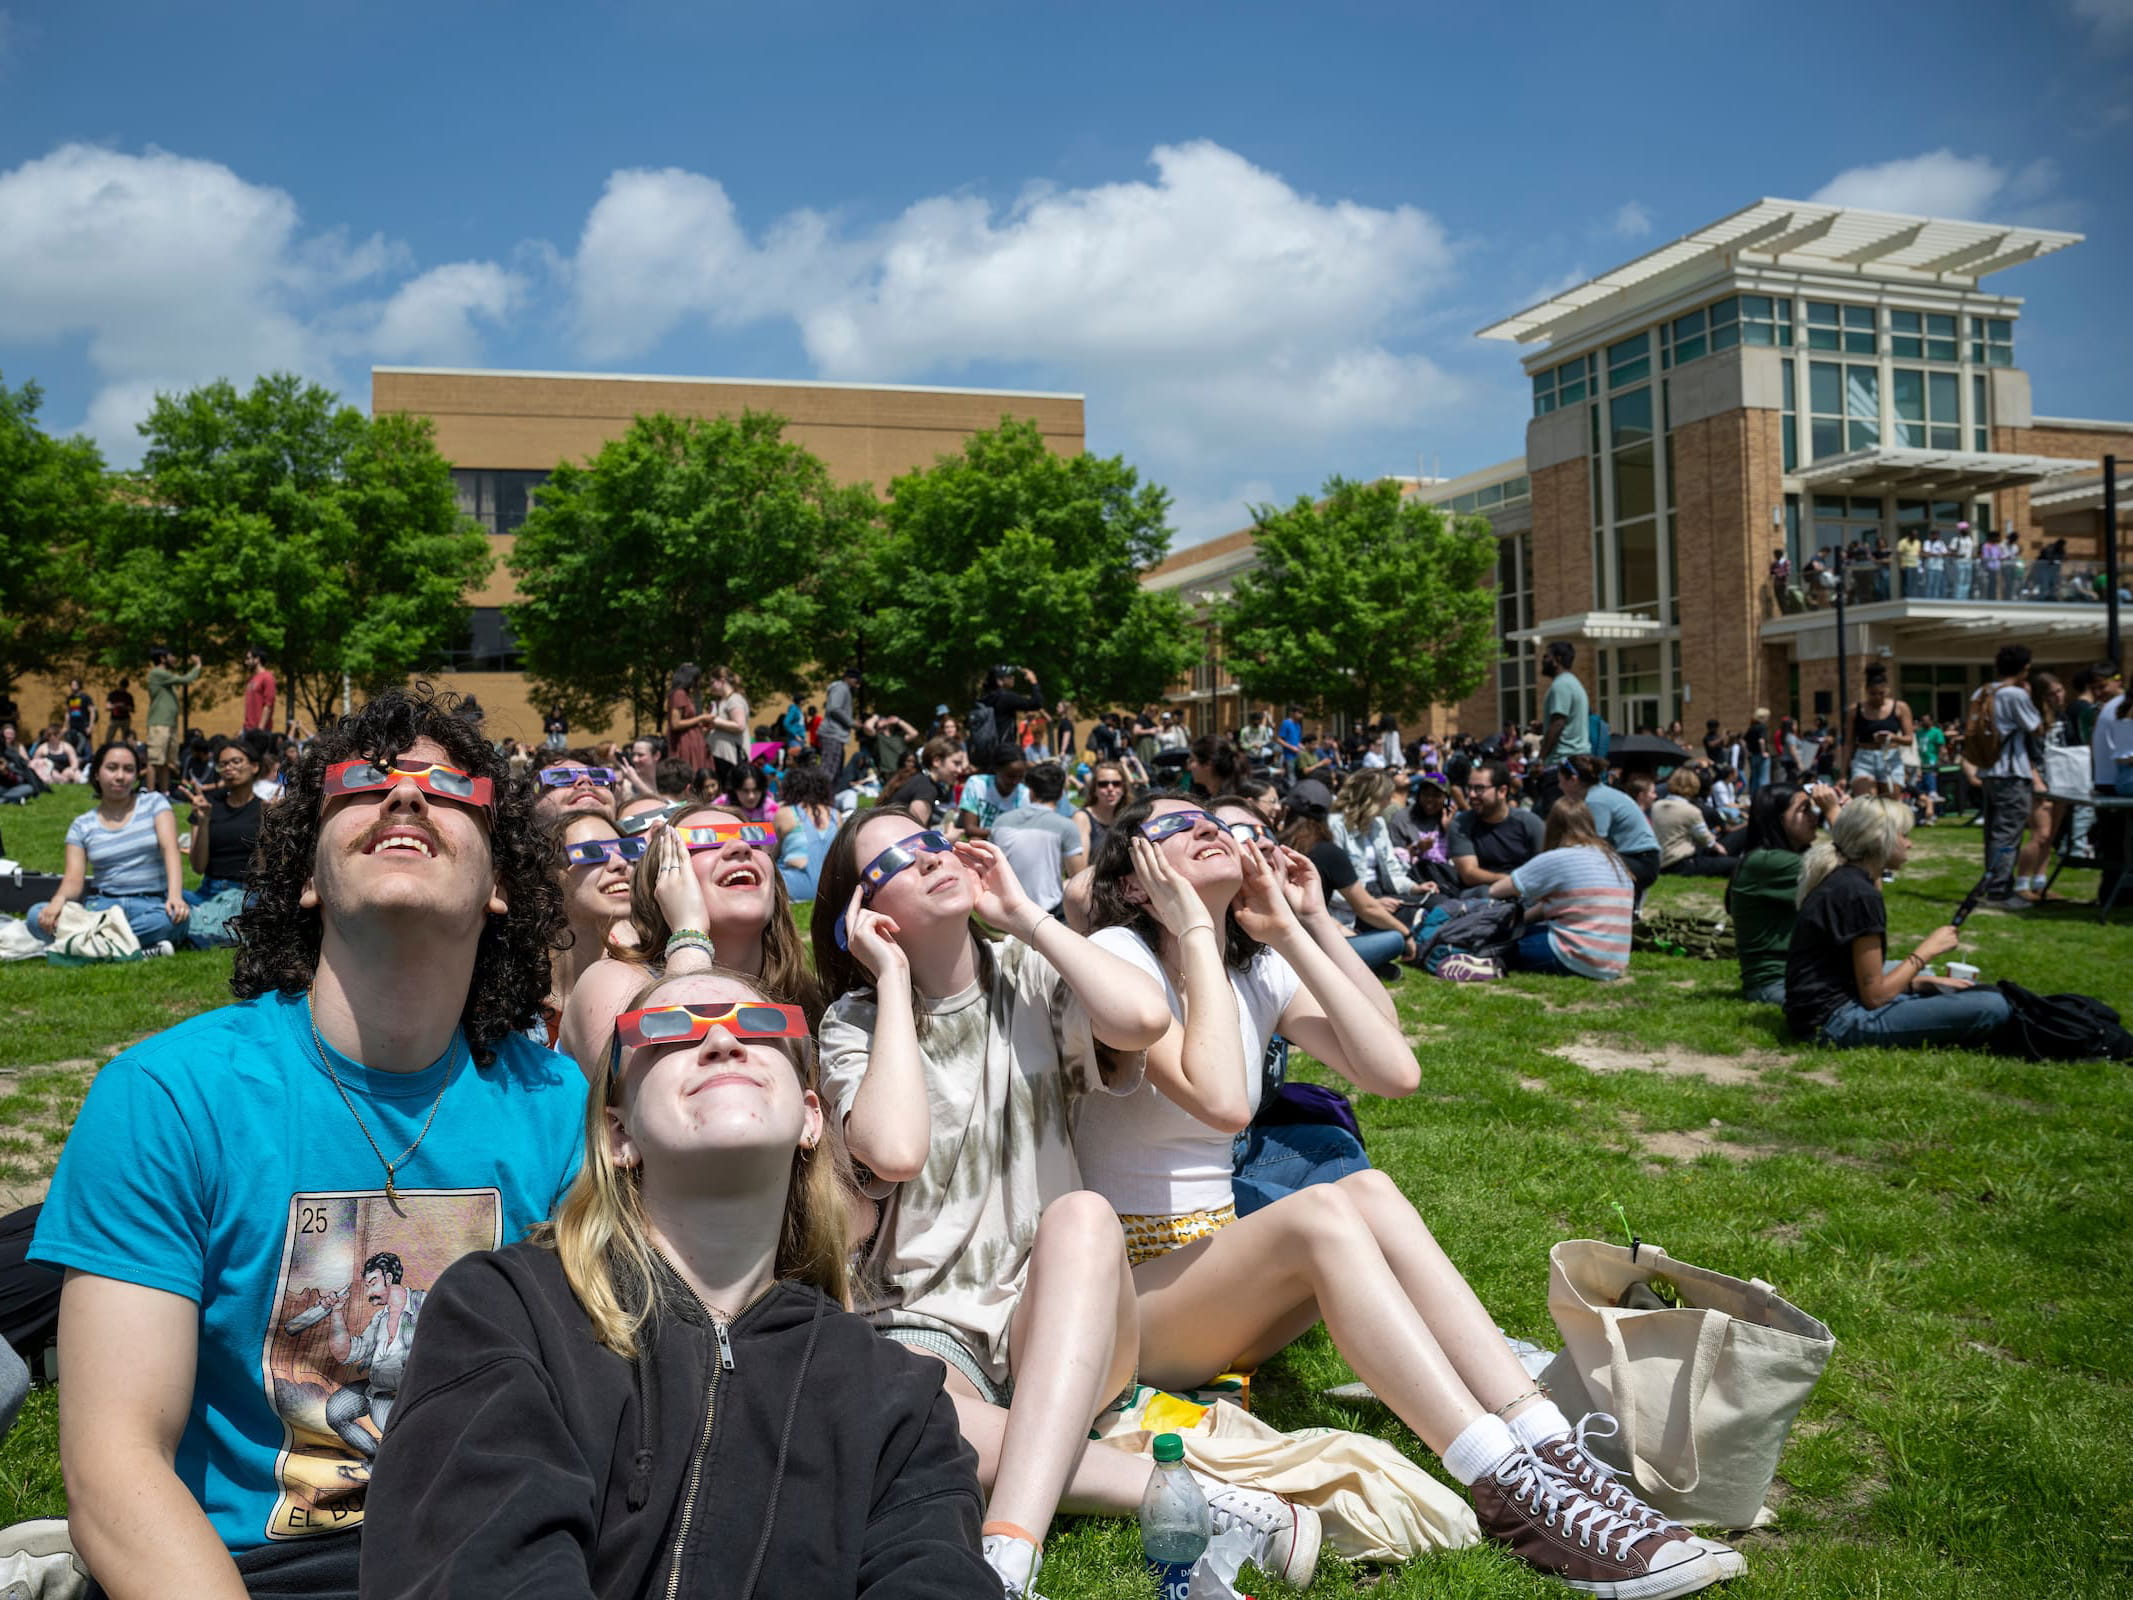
1946 473
1804 235
2082 494
1620 625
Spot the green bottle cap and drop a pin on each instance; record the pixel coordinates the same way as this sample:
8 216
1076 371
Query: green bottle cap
1169 1447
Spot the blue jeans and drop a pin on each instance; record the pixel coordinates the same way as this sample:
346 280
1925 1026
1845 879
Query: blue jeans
1961 1016
209 888
1536 953
144 914
1377 947
1758 773
1279 1160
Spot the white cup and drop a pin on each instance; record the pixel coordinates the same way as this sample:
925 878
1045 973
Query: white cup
1963 970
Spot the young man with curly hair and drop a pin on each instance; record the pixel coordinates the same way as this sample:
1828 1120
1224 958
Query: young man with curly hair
254 1204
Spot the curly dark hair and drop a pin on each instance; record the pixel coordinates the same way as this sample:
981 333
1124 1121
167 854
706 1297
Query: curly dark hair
1109 907
279 939
806 784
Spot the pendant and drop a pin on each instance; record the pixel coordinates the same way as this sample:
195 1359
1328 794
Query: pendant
392 1195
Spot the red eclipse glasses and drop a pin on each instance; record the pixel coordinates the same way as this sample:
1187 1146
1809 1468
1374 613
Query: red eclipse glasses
686 1024
439 782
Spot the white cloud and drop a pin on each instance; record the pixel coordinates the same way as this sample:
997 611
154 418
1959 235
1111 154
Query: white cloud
2111 19
1633 220
175 271
1943 184
1215 307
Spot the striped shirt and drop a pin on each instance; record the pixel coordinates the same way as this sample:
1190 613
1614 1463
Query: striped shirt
1586 901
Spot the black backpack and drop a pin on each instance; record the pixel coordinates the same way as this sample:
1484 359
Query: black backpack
2059 1027
983 739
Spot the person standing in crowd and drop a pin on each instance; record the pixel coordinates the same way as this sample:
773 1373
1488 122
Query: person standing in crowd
705 1234
1961 549
2045 814
1931 746
686 720
728 724
1763 896
839 713
259 692
163 686
1991 556
1492 837
2009 780
1879 731
1289 738
1839 988
80 710
1756 745
1106 793
2111 771
130 841
118 712
252 1204
1566 731
555 729
1042 847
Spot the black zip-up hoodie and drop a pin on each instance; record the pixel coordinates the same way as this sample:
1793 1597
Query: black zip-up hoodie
793 1455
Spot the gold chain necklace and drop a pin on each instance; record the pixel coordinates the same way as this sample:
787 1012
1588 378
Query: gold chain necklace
392 1194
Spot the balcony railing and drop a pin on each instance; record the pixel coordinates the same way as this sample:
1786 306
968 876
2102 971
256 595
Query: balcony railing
1873 580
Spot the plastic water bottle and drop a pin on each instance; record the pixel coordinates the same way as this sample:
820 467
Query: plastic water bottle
1174 1520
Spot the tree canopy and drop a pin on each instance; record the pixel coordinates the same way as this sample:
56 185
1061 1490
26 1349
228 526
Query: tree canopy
52 497
283 518
1364 602
687 540
1007 552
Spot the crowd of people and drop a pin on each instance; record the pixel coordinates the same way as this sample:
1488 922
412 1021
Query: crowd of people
1938 561
814 1258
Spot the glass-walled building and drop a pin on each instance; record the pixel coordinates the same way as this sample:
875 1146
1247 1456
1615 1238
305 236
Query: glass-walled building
1795 397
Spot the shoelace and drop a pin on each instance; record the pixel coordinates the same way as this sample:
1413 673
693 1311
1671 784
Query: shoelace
1608 1488
1246 1512
1529 1477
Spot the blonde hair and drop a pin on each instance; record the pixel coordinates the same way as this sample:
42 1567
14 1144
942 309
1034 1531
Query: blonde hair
1684 783
785 968
1365 797
1864 834
604 1242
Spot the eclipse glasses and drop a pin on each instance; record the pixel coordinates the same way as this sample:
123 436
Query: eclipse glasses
439 782
686 1024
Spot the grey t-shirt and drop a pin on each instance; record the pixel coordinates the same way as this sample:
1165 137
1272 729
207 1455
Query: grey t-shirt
1498 846
1037 841
2015 718
837 713
1567 699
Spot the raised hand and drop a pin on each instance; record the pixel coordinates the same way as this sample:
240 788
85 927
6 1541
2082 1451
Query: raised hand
1262 906
1300 882
1171 900
674 886
871 938
1001 899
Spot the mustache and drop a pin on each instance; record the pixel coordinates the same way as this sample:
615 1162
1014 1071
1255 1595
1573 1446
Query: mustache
384 825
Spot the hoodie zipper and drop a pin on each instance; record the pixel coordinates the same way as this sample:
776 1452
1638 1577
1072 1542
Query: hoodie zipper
703 1444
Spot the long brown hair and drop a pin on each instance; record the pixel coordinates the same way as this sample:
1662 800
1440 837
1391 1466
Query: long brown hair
601 1235
840 970
1109 906
784 956
1570 823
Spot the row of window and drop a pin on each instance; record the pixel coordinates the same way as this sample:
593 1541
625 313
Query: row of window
1767 320
498 500
1844 407
1511 492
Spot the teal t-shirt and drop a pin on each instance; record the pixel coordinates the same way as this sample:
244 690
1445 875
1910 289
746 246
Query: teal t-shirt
1621 820
1567 699
216 1161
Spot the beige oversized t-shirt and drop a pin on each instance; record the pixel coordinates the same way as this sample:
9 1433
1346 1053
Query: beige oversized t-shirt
1004 1066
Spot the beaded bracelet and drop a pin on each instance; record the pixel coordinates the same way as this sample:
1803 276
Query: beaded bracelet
691 941
688 933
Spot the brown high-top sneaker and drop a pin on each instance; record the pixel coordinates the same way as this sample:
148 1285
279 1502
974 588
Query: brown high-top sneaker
1567 1459
1557 1528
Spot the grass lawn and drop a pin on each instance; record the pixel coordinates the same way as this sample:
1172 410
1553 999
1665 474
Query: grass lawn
1961 1222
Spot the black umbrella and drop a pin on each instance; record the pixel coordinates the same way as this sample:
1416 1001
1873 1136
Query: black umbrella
1645 750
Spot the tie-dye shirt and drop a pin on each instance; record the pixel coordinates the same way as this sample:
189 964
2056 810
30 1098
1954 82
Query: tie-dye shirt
1586 900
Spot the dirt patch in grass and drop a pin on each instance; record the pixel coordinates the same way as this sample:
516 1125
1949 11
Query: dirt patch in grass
37 1109
1686 1144
1671 1061
1534 1085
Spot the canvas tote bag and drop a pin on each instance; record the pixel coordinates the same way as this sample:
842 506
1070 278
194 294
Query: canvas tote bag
1704 1394
85 935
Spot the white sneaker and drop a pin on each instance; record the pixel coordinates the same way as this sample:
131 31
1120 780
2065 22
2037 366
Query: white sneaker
1015 1562
1286 1536
162 947
37 1562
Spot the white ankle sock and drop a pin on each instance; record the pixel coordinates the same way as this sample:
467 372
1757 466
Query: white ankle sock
1537 1424
1486 1441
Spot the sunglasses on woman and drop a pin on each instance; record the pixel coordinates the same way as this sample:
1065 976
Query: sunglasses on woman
564 777
686 1024
717 835
905 852
1249 832
438 782
1156 829
594 852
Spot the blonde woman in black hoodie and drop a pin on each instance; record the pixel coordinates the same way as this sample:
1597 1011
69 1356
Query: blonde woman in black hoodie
662 1393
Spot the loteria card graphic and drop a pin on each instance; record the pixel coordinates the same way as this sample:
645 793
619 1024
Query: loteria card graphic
348 1302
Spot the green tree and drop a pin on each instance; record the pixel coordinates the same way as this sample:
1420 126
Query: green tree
687 540
283 518
1008 552
1364 603
53 495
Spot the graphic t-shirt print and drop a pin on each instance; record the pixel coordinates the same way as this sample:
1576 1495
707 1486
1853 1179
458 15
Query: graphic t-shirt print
347 1312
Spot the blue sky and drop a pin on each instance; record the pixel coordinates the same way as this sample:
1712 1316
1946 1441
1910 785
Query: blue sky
1258 238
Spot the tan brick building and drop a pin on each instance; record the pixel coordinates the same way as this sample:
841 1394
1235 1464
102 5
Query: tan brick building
504 431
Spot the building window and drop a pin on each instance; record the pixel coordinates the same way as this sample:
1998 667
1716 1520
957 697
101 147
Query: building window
1922 336
1566 385
1493 497
1980 413
1516 699
1925 409
1630 361
1791 422
498 500
1684 339
1844 408
1991 341
1840 521
1846 328
488 645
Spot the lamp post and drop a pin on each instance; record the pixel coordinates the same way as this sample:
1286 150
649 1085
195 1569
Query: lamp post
1843 664
2110 562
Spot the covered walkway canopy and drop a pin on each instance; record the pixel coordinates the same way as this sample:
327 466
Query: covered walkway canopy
1935 474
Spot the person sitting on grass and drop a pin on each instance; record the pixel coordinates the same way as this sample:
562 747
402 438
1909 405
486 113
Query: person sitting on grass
54 759
1617 817
1687 847
1218 926
1579 900
1763 896
253 1204
130 841
561 1382
1840 989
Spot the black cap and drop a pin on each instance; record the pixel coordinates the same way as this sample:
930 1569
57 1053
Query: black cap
1309 798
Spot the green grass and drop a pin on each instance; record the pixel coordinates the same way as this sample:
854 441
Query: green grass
1963 1223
